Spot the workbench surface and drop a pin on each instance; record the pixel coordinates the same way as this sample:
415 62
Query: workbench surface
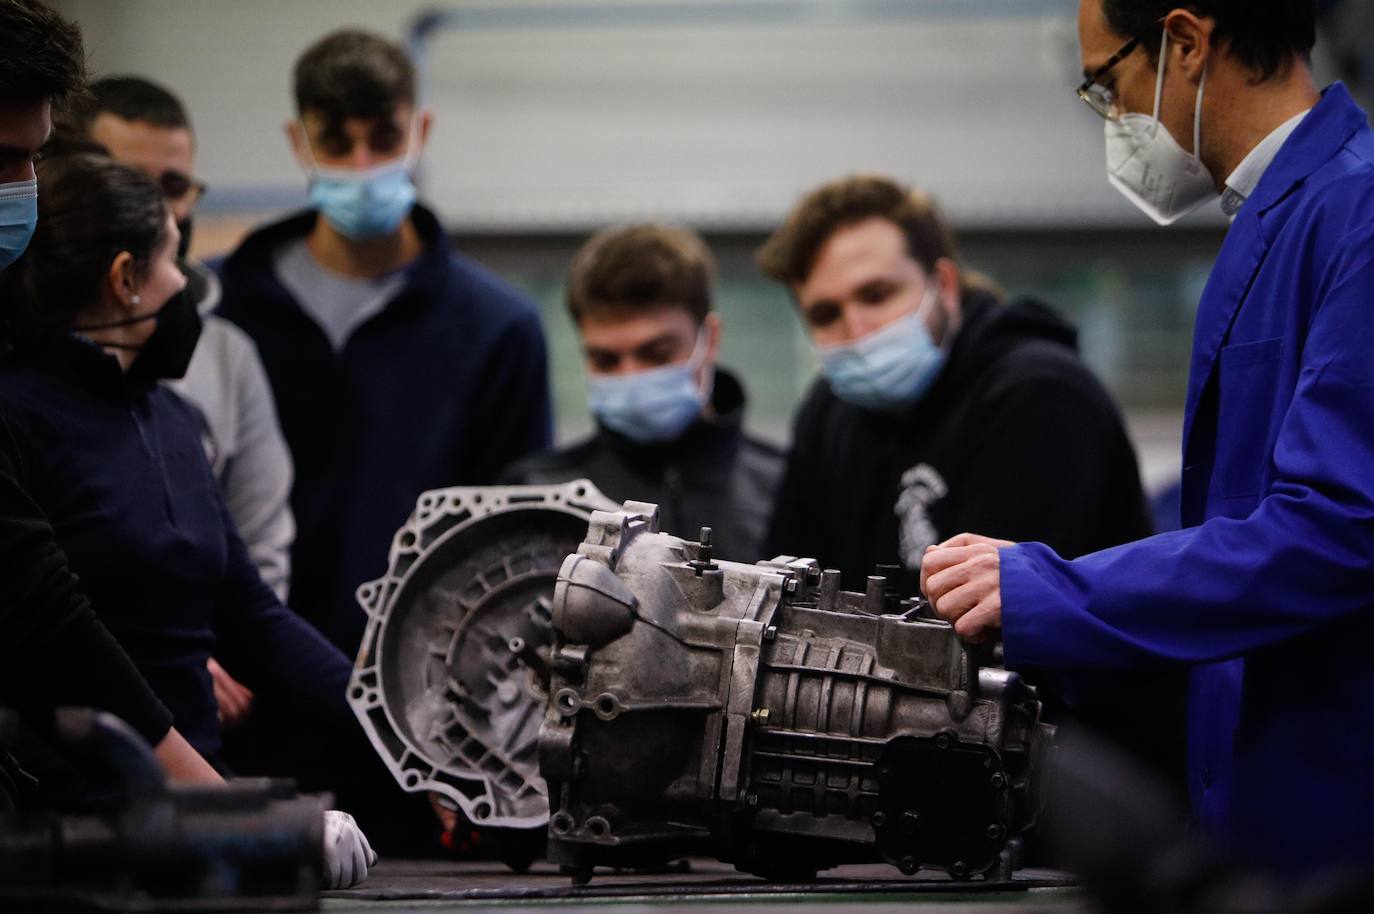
695 886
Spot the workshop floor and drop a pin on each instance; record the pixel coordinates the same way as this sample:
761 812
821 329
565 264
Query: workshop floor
703 886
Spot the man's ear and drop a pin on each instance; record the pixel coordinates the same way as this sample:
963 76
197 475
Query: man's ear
1190 42
950 280
424 120
711 324
300 145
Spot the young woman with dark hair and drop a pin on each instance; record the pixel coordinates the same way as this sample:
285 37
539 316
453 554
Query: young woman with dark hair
115 459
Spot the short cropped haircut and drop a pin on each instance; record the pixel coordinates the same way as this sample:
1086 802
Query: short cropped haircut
42 57
641 268
790 254
133 98
1265 35
353 74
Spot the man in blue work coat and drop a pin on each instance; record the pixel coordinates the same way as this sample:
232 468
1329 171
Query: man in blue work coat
1268 591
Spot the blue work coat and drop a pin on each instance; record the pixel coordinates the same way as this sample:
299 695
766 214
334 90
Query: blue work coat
1268 592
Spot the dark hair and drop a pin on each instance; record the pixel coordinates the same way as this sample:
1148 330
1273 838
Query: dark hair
133 98
790 254
640 268
41 54
93 208
1265 35
353 74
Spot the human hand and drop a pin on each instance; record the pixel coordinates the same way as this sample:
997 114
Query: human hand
347 855
447 815
962 579
235 700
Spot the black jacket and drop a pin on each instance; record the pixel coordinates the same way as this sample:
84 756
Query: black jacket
1015 439
713 475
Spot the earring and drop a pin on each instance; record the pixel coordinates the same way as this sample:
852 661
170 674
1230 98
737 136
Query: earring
135 300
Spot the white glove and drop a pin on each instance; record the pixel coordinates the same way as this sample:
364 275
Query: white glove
347 855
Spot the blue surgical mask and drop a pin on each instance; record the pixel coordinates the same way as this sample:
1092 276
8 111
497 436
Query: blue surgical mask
18 218
651 406
888 369
364 204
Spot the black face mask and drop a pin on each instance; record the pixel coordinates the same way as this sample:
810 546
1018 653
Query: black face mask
167 353
184 226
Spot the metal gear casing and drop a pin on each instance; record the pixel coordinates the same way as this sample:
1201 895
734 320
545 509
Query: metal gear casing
448 679
762 715
539 649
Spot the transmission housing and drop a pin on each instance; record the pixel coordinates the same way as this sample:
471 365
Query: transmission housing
763 715
545 660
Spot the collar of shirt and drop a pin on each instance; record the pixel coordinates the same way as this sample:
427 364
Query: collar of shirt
1246 178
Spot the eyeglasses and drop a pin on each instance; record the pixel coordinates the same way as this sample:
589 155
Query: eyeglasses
1097 96
176 186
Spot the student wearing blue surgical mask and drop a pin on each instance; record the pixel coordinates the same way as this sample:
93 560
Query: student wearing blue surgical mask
937 403
390 355
669 419
396 363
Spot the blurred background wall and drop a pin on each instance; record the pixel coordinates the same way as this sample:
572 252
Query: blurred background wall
556 118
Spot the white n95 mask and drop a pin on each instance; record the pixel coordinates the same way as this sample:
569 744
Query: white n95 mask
1148 165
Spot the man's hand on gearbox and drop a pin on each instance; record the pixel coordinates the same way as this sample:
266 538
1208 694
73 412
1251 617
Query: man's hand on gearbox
347 855
962 579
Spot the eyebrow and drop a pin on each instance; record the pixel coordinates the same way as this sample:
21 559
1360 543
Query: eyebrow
1091 75
654 341
874 283
637 348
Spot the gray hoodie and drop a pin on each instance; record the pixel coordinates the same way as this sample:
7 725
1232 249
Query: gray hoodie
227 384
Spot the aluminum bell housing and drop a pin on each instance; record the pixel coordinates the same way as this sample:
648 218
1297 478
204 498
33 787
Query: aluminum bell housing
448 683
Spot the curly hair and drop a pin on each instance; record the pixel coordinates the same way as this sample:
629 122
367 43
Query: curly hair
789 255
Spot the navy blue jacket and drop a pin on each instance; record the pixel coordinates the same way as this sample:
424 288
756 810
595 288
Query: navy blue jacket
446 386
54 652
119 469
1269 589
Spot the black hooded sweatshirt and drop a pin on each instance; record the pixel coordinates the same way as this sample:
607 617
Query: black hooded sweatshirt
1015 439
